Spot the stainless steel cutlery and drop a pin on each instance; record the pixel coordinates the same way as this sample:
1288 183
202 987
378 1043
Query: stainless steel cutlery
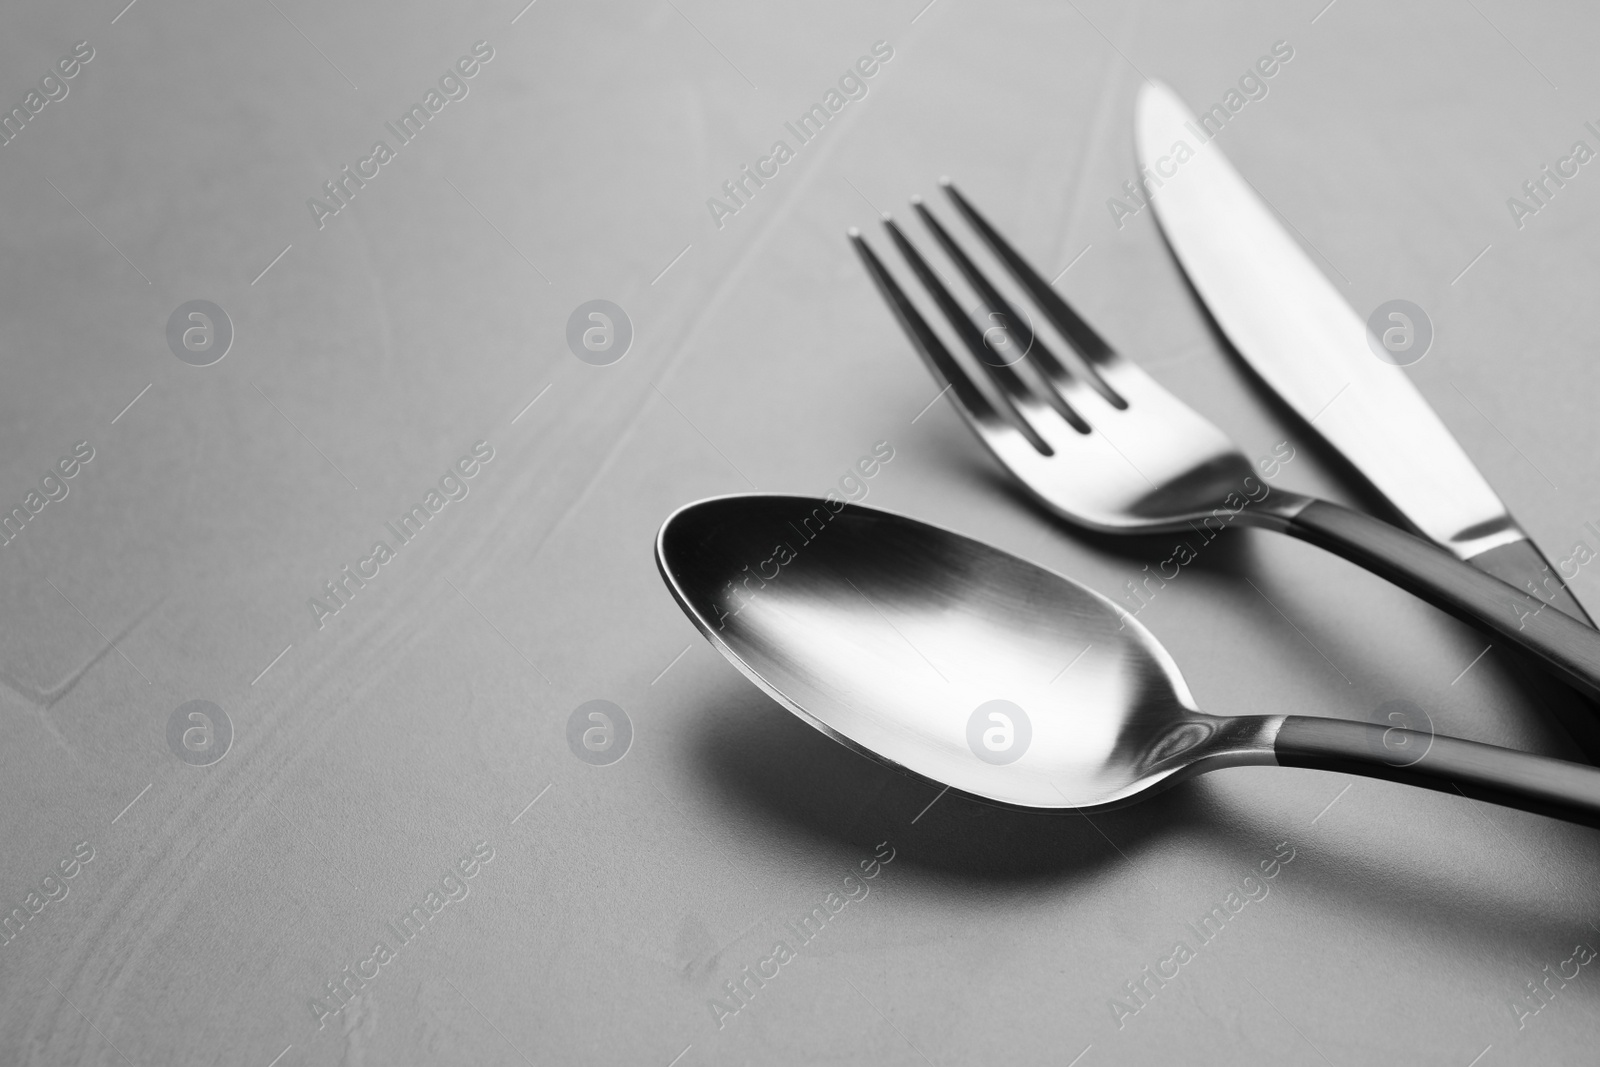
958 662
977 670
1299 333
1102 445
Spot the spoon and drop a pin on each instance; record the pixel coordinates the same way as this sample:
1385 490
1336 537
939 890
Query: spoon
970 667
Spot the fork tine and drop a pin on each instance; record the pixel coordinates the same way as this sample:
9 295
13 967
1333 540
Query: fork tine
1032 346
1013 389
938 357
1090 345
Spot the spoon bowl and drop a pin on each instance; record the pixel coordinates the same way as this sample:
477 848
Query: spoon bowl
941 655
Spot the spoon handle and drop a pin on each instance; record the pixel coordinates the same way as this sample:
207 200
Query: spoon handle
1569 791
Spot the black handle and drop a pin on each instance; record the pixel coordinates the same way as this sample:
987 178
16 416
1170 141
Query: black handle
1521 564
1566 646
1551 787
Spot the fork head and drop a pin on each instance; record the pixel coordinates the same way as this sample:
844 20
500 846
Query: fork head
1097 441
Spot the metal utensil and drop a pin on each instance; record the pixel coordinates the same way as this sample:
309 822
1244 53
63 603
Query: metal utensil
1299 333
972 668
1302 338
1108 448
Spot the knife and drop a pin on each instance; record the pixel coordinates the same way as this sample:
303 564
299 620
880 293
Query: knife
1302 338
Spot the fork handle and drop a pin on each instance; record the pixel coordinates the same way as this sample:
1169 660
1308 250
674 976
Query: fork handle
1560 643
1539 784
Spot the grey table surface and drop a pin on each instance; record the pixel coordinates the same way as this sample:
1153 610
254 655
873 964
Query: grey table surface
373 750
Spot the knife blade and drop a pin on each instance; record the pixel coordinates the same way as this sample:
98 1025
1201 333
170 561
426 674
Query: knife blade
1305 341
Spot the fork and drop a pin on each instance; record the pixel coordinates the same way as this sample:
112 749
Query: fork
1103 446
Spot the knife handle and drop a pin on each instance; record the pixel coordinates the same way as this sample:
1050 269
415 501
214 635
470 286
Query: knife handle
1521 564
1563 645
1540 784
